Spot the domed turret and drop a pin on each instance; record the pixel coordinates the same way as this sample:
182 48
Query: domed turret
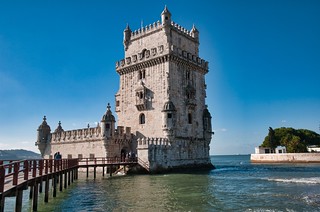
126 37
194 32
165 16
43 131
207 128
107 123
169 114
59 128
168 106
44 136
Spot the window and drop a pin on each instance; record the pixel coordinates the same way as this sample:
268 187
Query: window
189 118
142 119
142 74
80 156
169 116
117 103
108 126
141 95
69 156
91 156
188 75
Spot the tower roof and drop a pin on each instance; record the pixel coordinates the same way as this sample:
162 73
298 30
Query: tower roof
169 106
59 128
108 117
44 124
165 11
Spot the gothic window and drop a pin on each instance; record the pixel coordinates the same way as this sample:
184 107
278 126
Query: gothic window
108 126
142 74
188 75
189 118
140 95
142 118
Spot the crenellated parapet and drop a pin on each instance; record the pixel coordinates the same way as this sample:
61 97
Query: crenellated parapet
77 135
151 142
156 55
157 26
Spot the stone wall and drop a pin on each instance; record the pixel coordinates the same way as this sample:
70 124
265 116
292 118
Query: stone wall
286 158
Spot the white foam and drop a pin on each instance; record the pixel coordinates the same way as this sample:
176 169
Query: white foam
311 180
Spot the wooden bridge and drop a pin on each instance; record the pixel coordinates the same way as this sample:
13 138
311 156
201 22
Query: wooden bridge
16 176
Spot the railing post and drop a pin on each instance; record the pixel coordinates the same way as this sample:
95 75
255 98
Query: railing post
16 173
26 169
2 176
10 167
40 167
46 167
50 164
34 170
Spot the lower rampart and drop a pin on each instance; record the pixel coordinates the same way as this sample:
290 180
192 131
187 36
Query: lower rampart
286 158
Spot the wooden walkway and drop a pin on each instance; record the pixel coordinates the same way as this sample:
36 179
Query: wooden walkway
16 176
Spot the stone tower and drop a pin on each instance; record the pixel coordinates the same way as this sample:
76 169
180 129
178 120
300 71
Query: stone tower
162 90
162 115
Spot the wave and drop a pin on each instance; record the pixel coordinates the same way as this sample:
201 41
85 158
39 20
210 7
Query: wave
311 180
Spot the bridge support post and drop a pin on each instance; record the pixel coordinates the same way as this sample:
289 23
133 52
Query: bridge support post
31 192
111 171
46 190
2 198
69 179
102 171
65 179
19 194
94 172
87 171
60 181
35 197
40 186
54 179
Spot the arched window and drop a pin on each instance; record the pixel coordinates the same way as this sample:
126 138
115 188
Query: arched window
142 118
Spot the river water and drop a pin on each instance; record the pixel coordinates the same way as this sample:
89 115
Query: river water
235 185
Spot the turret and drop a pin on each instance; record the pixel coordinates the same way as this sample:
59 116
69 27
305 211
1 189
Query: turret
44 136
59 128
194 33
126 37
169 117
165 17
207 128
108 123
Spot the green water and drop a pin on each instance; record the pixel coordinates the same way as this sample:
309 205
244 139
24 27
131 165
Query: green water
235 185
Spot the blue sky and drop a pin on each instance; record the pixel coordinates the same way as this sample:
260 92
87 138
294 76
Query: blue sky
57 58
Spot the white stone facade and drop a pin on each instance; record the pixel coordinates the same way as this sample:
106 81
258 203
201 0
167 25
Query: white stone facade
160 103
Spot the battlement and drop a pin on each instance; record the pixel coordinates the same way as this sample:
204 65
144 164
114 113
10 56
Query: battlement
147 142
158 51
146 30
76 135
151 28
88 134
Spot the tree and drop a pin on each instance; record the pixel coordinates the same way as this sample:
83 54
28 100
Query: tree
294 140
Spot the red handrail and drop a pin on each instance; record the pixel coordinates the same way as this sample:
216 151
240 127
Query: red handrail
35 167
